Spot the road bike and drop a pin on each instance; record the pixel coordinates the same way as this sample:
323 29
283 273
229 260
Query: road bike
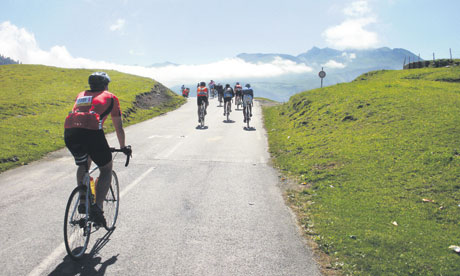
78 226
228 106
247 104
238 102
202 113
221 98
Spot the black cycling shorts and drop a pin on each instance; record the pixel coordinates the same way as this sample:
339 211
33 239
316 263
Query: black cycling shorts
82 141
200 99
228 99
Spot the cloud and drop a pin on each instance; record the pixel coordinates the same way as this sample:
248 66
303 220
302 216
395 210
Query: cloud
333 64
350 56
352 33
118 25
19 44
357 9
134 53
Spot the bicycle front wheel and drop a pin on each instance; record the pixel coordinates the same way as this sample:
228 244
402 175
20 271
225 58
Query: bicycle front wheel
77 227
112 203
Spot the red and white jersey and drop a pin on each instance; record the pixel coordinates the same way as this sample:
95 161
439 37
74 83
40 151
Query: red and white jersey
202 91
98 102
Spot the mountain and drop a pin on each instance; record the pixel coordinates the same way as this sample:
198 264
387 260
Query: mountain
384 58
6 60
340 66
163 64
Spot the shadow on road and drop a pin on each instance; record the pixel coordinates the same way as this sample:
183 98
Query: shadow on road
250 128
87 265
201 128
228 121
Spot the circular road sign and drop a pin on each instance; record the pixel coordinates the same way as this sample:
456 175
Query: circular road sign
322 74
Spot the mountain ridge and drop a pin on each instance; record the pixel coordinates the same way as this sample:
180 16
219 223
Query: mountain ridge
340 65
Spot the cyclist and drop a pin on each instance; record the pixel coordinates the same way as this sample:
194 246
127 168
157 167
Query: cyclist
85 139
202 94
248 96
211 88
220 92
228 95
238 89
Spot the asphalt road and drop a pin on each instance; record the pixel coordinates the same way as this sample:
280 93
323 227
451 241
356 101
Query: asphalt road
193 202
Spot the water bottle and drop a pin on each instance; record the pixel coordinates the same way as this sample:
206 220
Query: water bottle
93 186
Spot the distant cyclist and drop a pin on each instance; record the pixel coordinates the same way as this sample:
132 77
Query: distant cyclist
202 94
228 96
248 96
212 85
238 89
220 92
85 139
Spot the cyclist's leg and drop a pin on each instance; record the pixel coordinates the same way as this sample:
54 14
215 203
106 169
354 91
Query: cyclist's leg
103 184
76 142
100 153
81 171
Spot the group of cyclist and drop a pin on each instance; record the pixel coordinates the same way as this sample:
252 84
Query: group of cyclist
84 135
243 95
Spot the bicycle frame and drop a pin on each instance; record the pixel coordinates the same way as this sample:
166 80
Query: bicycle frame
80 225
90 197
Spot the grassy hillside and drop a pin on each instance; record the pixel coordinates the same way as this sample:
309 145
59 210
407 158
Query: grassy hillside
377 161
35 99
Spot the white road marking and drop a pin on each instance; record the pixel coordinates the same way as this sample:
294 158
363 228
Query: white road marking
40 269
135 182
214 139
160 136
60 250
167 153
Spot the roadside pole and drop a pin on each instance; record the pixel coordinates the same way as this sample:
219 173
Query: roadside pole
322 75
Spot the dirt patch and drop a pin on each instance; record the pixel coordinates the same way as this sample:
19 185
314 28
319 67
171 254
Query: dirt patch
267 103
325 262
157 96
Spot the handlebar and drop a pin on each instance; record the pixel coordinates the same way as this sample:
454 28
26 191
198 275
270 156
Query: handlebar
126 150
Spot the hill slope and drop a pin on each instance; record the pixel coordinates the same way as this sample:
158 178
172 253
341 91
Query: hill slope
35 99
378 160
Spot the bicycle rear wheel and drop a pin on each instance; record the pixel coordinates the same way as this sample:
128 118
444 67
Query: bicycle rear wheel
77 227
228 110
112 203
246 114
202 115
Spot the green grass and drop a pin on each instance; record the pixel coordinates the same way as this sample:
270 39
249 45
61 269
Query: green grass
35 99
365 155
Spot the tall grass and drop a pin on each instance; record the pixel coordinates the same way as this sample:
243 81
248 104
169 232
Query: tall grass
378 165
35 99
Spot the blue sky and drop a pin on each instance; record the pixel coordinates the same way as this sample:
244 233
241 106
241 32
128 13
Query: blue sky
204 32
